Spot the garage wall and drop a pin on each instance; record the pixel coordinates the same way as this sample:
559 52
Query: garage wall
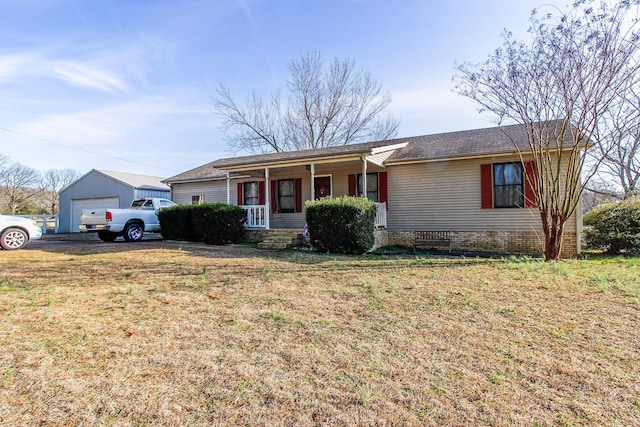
93 185
78 204
96 189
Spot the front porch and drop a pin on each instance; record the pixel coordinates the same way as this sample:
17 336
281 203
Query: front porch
258 217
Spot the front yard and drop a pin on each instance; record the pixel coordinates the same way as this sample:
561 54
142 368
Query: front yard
161 335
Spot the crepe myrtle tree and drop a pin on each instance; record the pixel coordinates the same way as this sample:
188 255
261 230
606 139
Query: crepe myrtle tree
324 106
559 85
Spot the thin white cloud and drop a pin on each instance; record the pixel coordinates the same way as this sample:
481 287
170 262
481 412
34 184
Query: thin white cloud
87 76
123 122
76 73
12 66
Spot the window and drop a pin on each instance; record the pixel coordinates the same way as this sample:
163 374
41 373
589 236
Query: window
286 195
372 186
197 200
251 193
508 189
322 186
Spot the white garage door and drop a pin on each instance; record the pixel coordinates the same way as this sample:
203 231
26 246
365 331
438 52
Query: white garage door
78 204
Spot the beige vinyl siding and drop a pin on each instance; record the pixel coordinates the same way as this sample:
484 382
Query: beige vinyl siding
445 196
213 191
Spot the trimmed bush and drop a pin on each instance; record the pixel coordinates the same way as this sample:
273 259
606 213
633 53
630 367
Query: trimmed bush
219 223
615 228
342 224
212 223
176 223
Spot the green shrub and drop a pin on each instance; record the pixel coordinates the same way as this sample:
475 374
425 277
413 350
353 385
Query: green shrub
219 223
615 228
176 223
341 225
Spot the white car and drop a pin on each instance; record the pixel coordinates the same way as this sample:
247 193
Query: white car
16 232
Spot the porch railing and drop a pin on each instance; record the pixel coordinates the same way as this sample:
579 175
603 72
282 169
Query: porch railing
49 223
257 216
381 215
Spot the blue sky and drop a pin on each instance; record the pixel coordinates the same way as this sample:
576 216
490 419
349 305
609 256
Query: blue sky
126 85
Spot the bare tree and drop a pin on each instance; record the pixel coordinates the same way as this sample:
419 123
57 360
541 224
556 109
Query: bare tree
19 184
559 87
4 162
325 107
619 144
53 181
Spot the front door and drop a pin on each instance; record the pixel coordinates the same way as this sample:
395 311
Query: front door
322 186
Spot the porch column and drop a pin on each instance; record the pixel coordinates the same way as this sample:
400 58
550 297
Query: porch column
364 177
313 178
267 196
228 197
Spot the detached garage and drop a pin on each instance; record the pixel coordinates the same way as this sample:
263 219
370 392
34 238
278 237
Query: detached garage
105 189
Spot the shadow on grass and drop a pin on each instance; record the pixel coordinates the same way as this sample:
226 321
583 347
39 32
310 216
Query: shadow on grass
396 257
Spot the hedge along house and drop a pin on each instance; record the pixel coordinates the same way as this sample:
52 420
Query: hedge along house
463 190
105 189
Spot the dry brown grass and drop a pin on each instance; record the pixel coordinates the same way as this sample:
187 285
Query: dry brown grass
159 335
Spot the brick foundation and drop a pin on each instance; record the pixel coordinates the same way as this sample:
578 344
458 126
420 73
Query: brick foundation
255 236
519 242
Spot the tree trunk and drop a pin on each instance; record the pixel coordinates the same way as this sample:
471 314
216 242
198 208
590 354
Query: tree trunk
553 227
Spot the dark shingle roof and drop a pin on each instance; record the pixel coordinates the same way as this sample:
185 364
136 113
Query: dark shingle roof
201 173
467 143
460 144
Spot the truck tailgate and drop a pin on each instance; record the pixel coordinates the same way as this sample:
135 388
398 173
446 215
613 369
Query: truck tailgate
93 216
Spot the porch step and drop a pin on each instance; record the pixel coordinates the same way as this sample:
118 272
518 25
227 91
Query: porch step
279 238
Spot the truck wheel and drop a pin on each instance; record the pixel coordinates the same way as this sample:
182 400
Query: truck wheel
133 232
13 238
107 236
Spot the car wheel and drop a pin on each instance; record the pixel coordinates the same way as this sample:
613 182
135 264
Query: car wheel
13 238
107 236
133 232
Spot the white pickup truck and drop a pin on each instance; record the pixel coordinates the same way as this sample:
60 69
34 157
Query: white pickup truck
129 223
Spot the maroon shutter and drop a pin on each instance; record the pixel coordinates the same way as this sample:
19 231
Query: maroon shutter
486 186
352 185
240 194
274 196
530 184
298 193
261 193
382 188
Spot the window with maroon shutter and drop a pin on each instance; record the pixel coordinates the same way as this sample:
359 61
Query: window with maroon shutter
288 195
507 185
377 186
508 188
